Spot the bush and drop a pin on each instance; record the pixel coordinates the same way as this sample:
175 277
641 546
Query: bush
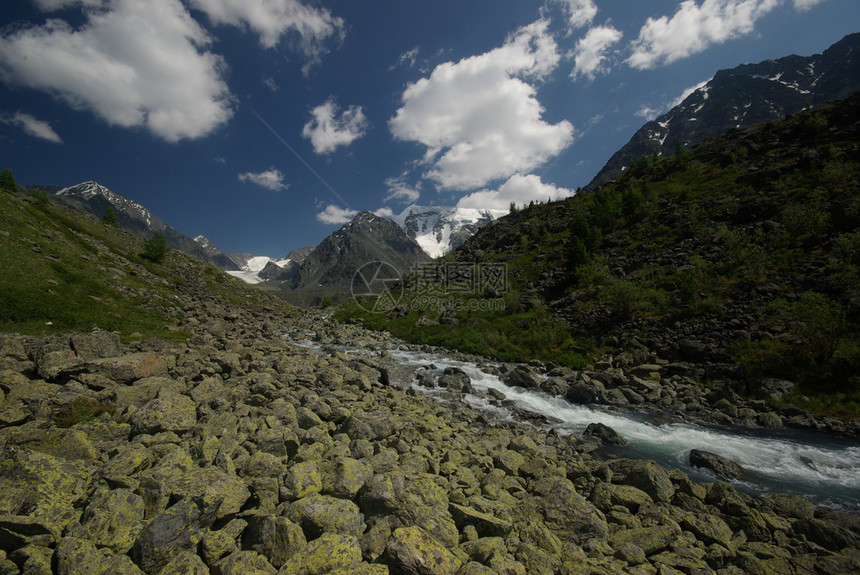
815 320
155 249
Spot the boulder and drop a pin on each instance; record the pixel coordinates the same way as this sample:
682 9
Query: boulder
605 434
331 553
522 376
275 537
721 466
243 563
398 376
169 411
318 514
180 527
412 551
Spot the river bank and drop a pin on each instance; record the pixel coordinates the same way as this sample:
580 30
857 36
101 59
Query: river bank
240 452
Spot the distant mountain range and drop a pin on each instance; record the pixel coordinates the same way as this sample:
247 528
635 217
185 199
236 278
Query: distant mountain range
743 96
439 230
95 199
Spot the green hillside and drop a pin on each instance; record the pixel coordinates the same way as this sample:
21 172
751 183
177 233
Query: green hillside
741 255
63 270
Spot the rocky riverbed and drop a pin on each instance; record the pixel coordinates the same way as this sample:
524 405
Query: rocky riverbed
240 452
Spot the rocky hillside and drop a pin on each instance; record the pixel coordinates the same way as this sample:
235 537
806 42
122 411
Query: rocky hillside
742 96
223 447
739 258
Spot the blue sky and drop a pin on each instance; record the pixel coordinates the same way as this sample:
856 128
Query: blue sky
265 124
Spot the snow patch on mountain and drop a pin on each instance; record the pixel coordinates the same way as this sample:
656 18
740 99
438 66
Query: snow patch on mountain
250 272
441 229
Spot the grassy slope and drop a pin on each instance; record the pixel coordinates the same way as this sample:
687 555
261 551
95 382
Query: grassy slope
751 221
66 271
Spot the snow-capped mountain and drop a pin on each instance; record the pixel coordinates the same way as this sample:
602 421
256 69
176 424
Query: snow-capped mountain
134 218
263 268
439 230
742 96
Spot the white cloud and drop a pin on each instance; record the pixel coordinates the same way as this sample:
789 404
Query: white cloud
336 215
804 5
384 212
479 118
134 64
694 27
271 179
33 127
580 12
274 19
519 189
687 92
590 52
399 189
647 112
327 130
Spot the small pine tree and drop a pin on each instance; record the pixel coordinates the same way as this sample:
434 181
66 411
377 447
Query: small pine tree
7 181
514 208
155 249
109 218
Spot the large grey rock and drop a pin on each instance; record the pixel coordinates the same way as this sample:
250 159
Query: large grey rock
220 492
721 466
244 563
169 411
318 514
275 537
331 553
96 345
605 434
179 527
77 557
113 519
412 551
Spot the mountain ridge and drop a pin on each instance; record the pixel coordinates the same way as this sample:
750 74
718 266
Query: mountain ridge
742 96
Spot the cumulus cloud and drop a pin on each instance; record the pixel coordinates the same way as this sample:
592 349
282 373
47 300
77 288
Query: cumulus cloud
651 113
132 64
580 12
694 27
519 189
590 52
271 179
273 20
399 189
336 215
479 118
52 5
33 126
328 129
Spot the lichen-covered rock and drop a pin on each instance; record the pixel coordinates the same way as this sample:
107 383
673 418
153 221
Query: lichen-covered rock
708 528
220 492
179 527
96 345
318 514
347 477
244 563
646 476
301 480
485 524
275 537
492 552
331 553
184 563
113 519
130 367
650 539
412 551
567 511
167 412
371 425
606 495
77 557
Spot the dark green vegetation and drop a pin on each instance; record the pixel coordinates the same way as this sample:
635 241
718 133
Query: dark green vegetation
64 270
748 246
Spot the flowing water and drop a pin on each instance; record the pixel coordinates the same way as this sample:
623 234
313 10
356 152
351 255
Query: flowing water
823 468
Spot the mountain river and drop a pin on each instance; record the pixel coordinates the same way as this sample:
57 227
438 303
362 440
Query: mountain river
823 468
